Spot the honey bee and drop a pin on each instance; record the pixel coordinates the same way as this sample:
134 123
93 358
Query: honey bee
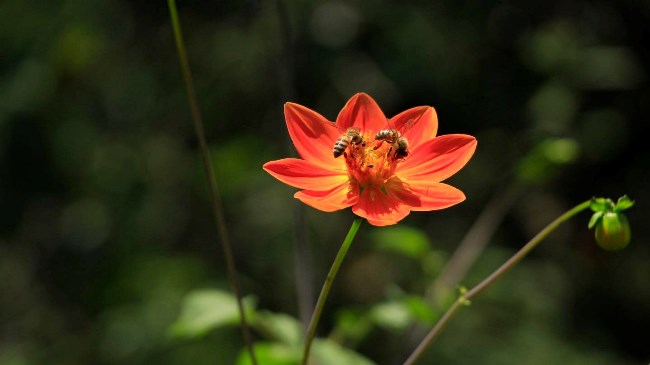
398 143
351 136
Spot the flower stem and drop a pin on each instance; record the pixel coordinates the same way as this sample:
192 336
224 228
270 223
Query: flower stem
464 298
214 191
324 293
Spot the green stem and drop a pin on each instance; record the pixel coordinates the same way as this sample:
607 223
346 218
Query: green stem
464 298
324 293
212 182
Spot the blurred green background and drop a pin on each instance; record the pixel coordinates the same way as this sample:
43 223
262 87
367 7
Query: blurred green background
105 222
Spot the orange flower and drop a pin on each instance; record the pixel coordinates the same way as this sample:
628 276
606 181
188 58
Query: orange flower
383 179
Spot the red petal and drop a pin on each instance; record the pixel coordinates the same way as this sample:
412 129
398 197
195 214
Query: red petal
397 189
305 174
437 159
338 198
434 196
379 208
312 134
362 111
417 125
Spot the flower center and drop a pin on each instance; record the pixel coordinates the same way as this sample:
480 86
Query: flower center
372 162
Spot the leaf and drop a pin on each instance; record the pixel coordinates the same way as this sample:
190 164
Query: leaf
623 203
595 218
328 352
407 241
401 313
560 151
352 325
420 309
392 315
205 310
280 326
272 353
600 204
324 352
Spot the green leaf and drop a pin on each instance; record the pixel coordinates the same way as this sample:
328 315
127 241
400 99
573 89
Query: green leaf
280 326
560 151
623 203
600 204
352 325
595 218
420 309
406 241
391 315
328 352
272 353
205 310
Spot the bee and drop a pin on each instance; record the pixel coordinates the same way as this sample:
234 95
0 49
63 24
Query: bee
351 136
398 143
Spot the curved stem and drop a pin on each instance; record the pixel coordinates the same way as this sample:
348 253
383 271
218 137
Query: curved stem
212 182
324 293
464 298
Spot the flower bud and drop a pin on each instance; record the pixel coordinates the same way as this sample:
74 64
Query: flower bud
613 231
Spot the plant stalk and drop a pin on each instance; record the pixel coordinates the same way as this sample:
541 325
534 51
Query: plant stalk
324 293
465 298
212 183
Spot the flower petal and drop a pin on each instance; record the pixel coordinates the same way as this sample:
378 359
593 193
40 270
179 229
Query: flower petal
437 159
434 196
397 189
312 134
417 125
305 174
379 208
362 111
338 198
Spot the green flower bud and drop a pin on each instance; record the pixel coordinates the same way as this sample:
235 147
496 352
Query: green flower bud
613 231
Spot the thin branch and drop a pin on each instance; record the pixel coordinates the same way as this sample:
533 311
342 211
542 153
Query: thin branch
212 182
465 298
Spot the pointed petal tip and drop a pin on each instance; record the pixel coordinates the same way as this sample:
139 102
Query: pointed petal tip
303 174
361 111
436 196
418 125
340 197
289 106
312 134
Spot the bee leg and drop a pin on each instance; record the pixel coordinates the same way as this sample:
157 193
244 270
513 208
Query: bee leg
378 144
345 155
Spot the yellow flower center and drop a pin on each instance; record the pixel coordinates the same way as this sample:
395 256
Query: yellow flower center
371 162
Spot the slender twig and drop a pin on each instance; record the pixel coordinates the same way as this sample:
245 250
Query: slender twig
464 298
214 191
324 293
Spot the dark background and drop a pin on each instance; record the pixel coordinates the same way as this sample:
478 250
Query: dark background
105 222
